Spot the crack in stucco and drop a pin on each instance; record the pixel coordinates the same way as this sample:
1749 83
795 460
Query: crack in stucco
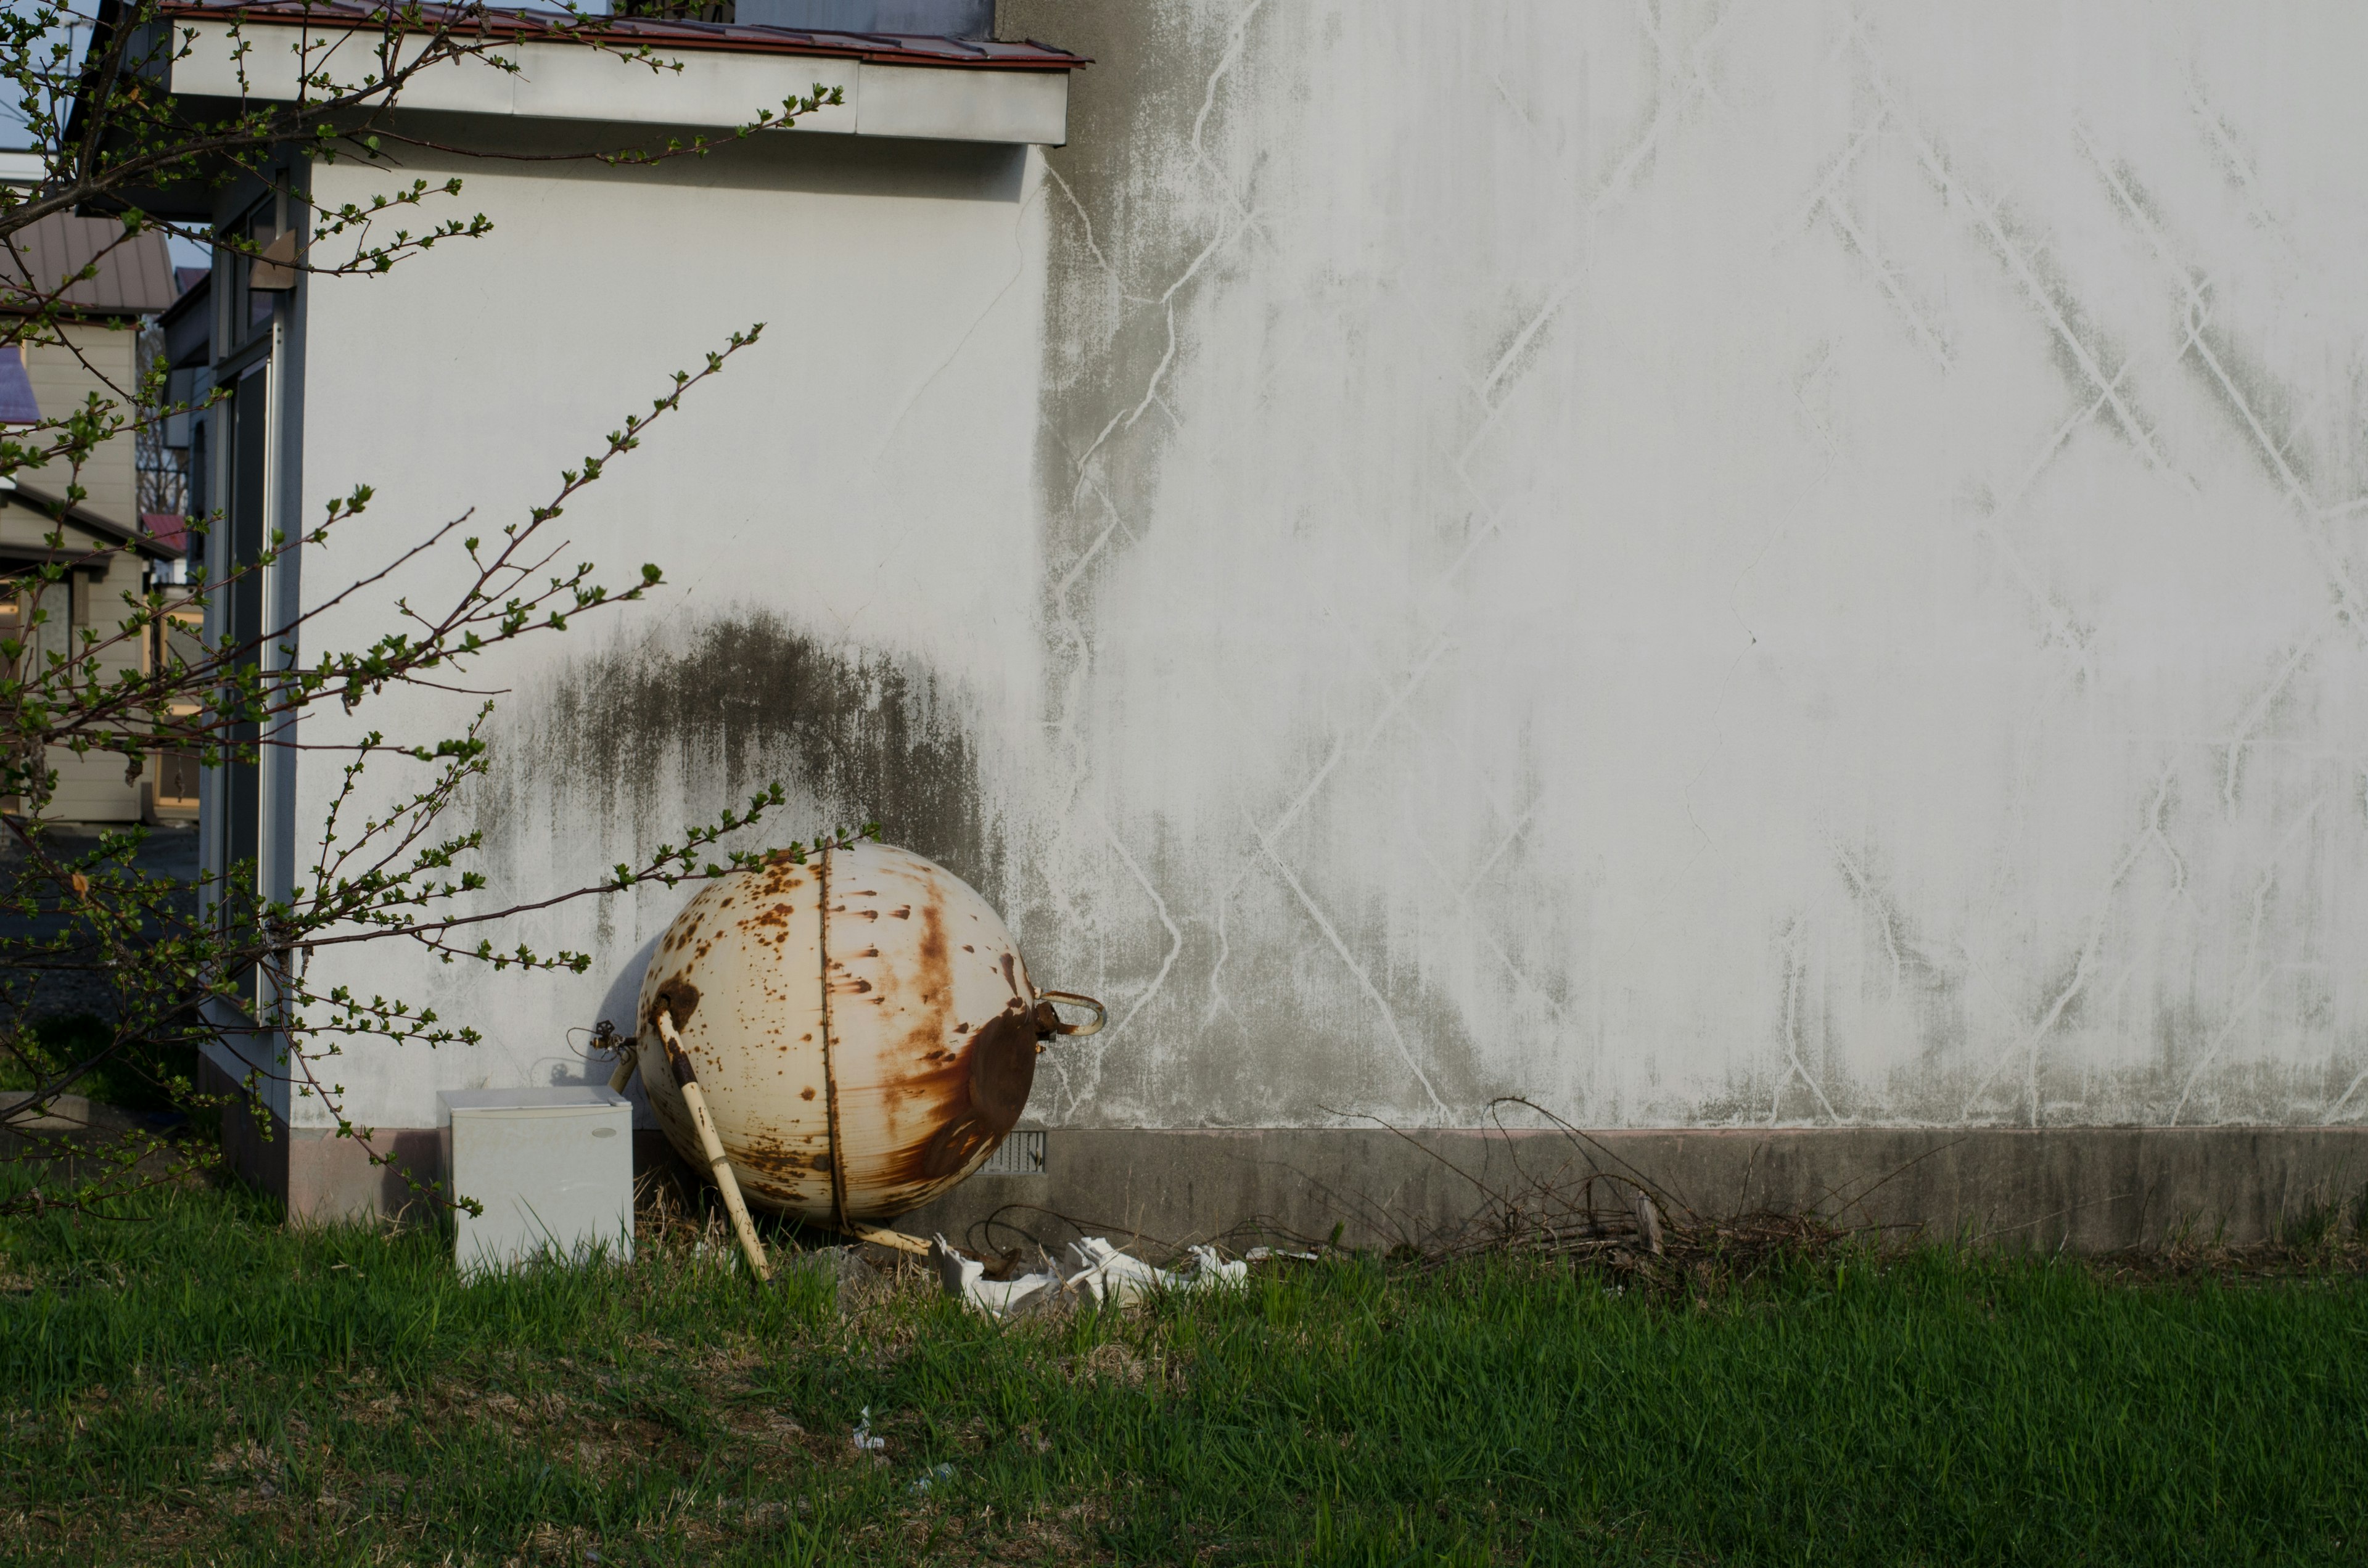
2195 287
2238 168
1075 643
1348 960
2238 1007
1889 280
2083 967
1187 283
1796 977
2019 265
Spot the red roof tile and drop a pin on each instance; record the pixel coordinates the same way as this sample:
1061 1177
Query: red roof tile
169 530
885 49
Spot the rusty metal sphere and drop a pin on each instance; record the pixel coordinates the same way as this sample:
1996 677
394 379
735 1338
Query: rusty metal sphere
862 1027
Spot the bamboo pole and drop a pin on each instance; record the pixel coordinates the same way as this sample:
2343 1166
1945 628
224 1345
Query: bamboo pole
687 1080
886 1238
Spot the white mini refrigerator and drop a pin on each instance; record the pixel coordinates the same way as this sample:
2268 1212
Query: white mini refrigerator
554 1169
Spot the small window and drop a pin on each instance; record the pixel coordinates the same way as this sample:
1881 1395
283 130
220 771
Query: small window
52 632
176 640
256 278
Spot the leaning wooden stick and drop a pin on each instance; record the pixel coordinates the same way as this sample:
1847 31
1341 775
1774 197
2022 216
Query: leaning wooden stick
881 1236
628 1056
695 1099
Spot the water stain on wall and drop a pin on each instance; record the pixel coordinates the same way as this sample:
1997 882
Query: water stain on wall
1125 249
691 718
1270 943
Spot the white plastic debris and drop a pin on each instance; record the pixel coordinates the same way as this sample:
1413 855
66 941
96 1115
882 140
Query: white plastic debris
1097 1272
1263 1254
966 1277
865 1443
937 1473
1209 1270
1112 1277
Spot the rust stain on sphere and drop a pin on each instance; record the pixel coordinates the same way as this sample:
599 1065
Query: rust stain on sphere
925 1089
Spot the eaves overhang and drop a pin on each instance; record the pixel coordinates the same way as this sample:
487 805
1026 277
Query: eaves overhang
55 507
637 71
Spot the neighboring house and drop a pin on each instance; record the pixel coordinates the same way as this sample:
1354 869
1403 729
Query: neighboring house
1785 583
97 356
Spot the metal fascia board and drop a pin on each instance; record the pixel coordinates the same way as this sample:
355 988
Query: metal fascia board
720 88
950 104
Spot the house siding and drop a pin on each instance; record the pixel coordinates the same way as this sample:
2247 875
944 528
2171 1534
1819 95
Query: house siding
94 358
90 787
101 359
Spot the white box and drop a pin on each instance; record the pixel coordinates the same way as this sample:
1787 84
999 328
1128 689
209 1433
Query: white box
553 1166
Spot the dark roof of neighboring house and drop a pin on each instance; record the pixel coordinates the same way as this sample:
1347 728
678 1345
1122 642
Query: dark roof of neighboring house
47 503
135 276
884 48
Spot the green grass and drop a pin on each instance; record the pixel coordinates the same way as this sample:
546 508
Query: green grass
200 1385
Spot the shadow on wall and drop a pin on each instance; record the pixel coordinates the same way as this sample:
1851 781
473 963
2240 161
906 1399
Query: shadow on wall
629 744
822 163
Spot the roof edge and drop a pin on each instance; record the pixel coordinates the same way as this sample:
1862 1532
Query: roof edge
727 37
82 516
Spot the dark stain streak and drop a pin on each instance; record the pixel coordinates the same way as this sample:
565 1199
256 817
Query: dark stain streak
744 700
2021 250
2243 391
2234 380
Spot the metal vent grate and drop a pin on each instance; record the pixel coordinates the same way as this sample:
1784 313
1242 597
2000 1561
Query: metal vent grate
1021 1153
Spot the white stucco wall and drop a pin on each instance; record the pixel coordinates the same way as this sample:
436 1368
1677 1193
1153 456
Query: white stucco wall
866 469
1709 566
